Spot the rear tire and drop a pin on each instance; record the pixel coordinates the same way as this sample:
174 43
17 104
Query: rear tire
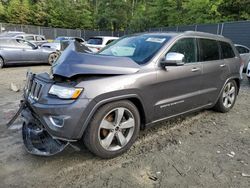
227 97
113 129
52 58
1 63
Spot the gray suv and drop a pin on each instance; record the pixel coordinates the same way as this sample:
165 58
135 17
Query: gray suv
104 99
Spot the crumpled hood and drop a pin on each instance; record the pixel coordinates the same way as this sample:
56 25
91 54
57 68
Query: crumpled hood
73 62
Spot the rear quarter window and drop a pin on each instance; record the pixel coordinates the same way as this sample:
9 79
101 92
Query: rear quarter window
226 50
209 50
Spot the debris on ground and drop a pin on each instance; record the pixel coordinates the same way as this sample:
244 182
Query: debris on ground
245 175
14 87
231 154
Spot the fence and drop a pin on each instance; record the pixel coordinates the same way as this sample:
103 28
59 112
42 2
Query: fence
51 33
238 32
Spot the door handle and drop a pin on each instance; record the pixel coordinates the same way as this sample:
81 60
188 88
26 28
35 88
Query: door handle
195 69
222 65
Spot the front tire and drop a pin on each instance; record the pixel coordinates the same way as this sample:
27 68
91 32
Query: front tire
227 98
113 129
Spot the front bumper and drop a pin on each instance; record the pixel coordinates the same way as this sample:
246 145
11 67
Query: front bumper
72 115
37 141
49 110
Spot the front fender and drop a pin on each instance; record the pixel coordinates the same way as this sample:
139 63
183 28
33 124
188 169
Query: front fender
100 101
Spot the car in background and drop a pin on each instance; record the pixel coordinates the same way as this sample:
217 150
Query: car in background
19 51
244 54
78 39
35 39
248 71
60 43
98 42
11 33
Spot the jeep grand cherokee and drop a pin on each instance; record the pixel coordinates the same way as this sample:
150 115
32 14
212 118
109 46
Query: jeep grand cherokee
105 99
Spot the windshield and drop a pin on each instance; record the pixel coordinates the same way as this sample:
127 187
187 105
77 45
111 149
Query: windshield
139 48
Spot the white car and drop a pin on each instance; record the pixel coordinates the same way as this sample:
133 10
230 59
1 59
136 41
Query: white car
248 71
98 42
61 42
244 53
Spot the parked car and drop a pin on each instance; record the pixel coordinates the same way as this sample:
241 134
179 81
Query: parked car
244 54
10 34
35 39
78 39
106 98
60 43
99 42
16 51
248 71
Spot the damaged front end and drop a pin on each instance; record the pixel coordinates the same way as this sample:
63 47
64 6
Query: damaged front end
36 139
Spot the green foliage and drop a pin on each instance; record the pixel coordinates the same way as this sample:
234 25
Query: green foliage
2 12
135 15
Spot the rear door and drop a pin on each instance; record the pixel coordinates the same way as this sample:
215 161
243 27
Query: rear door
178 87
215 69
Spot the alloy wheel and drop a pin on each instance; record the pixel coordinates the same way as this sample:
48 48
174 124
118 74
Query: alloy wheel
229 94
116 129
52 58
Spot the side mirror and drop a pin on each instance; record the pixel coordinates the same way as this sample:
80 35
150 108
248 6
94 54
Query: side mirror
35 47
173 59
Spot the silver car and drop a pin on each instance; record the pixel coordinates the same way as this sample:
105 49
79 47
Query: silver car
244 54
35 39
105 99
16 51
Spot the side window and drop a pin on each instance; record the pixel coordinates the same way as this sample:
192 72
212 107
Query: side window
187 47
29 38
209 50
226 50
39 38
242 50
24 44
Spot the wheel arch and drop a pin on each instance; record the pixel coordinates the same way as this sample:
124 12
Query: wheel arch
133 98
236 79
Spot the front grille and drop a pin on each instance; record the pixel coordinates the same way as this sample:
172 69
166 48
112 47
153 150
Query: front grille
36 89
33 87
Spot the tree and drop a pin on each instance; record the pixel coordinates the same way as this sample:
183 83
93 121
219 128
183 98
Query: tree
235 9
18 12
2 12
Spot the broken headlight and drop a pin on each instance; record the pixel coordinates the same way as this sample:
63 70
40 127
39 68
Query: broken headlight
65 92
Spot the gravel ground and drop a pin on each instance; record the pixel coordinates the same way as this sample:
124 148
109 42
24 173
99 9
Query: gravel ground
204 149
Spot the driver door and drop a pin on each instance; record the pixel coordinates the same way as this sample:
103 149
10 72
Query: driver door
179 86
30 52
